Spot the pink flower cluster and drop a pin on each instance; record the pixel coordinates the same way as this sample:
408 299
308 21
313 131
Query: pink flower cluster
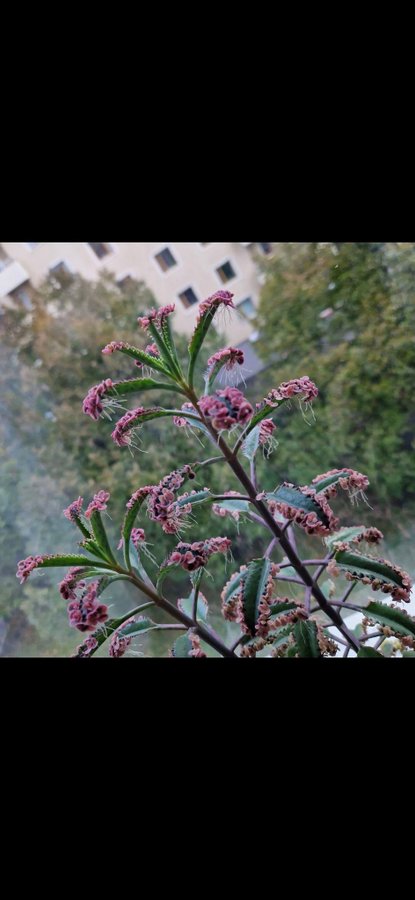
120 435
86 612
98 504
74 510
351 480
69 584
137 537
179 421
229 358
162 504
88 646
92 405
288 389
221 298
26 566
140 494
226 408
310 521
156 316
196 650
266 430
194 556
113 346
220 511
120 644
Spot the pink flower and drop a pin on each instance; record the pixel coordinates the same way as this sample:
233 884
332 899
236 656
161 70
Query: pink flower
99 503
86 612
179 420
74 511
156 316
266 430
347 482
70 583
194 556
221 298
220 511
85 649
120 435
229 358
162 504
226 408
92 405
137 537
288 389
113 346
196 650
26 566
139 495
119 644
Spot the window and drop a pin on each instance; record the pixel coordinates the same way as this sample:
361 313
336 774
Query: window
266 248
188 297
165 259
100 250
247 308
226 272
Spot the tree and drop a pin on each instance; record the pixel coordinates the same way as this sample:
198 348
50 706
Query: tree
346 314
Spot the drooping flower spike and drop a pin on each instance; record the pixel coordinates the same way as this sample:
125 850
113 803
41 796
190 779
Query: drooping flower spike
226 408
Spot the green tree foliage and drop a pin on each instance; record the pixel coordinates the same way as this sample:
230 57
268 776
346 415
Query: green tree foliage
344 314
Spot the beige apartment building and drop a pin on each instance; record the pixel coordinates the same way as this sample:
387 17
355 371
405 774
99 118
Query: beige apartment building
180 273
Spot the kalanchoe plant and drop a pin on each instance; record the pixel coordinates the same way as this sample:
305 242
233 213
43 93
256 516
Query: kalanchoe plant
254 598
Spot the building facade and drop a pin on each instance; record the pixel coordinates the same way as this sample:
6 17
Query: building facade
180 273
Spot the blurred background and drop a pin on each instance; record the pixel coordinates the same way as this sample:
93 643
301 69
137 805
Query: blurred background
341 313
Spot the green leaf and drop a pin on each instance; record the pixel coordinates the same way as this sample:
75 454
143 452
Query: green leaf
121 388
195 423
255 583
233 586
165 349
295 498
137 628
305 634
182 647
321 486
361 566
59 560
396 619
369 651
186 606
344 534
282 634
101 536
277 609
145 359
137 564
198 338
234 505
251 444
128 526
198 497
